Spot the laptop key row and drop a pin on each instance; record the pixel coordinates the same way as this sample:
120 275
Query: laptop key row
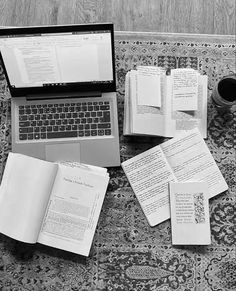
72 121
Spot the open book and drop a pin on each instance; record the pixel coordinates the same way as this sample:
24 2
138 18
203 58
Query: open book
54 204
161 105
180 159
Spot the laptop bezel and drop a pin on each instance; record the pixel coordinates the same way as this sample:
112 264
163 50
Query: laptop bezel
99 87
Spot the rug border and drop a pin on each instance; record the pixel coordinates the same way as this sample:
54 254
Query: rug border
180 36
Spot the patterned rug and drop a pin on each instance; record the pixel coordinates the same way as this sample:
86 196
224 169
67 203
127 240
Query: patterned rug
126 253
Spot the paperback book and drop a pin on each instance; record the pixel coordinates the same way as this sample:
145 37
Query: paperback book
56 204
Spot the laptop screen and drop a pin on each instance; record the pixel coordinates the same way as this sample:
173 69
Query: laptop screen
59 58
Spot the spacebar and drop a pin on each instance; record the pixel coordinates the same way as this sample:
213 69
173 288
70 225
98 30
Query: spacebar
62 134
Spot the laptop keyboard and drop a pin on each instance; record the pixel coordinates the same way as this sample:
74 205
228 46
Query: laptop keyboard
64 120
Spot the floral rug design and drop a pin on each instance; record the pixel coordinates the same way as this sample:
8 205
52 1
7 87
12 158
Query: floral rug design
126 253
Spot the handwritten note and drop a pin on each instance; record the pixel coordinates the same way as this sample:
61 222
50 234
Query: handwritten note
185 89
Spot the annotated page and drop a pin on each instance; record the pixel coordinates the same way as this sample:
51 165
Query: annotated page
187 120
185 89
149 85
24 194
190 159
74 208
190 223
149 175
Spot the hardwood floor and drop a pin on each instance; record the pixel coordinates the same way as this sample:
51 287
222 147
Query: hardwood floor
187 16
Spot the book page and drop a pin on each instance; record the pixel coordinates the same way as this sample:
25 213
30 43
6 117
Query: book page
149 87
185 89
24 194
74 209
190 159
149 175
187 120
190 223
149 120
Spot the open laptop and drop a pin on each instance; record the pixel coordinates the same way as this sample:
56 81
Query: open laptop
62 83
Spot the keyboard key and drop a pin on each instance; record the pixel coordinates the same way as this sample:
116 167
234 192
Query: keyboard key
62 128
107 132
36 136
23 136
45 122
43 135
100 132
104 125
23 117
104 107
43 129
106 116
71 121
24 123
23 130
63 134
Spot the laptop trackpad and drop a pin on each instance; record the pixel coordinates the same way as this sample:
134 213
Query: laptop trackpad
63 152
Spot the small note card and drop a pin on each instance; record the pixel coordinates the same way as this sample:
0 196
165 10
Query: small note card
185 89
190 224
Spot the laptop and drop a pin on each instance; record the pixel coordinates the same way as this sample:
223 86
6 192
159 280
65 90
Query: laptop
63 88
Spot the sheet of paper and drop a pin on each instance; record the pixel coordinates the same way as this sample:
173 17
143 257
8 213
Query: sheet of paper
190 159
73 209
185 89
190 223
24 195
149 89
149 175
149 85
148 120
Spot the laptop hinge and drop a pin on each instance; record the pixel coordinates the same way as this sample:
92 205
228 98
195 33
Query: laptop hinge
63 95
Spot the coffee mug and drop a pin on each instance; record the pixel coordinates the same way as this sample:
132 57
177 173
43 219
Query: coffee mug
224 93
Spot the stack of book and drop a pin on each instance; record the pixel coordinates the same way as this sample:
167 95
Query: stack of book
164 105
